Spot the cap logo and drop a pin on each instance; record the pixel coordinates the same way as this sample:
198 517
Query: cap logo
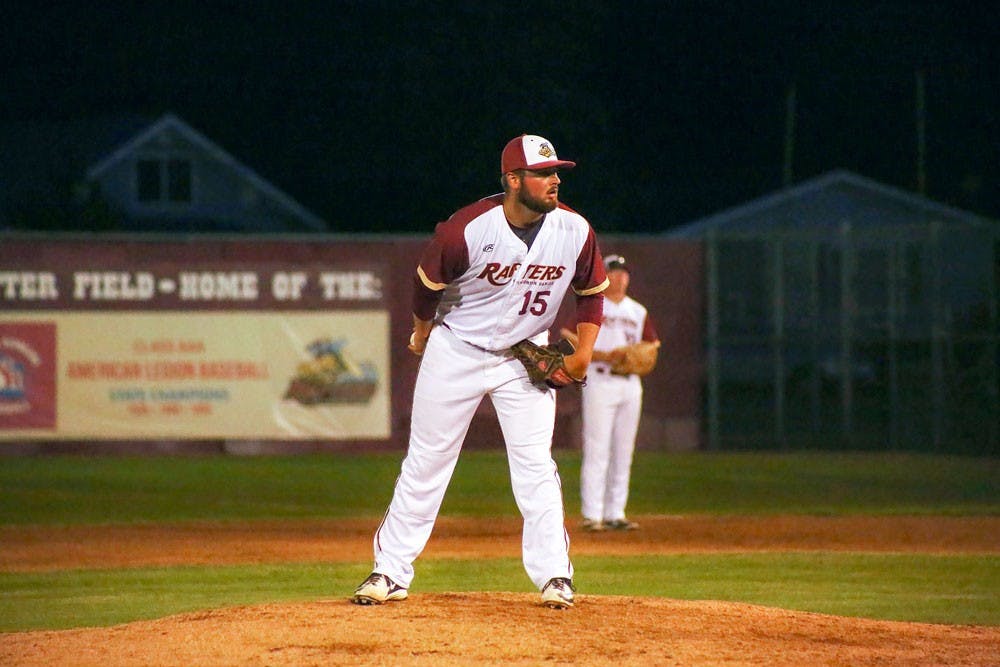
545 150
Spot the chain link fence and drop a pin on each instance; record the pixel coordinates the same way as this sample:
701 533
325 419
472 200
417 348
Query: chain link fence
875 338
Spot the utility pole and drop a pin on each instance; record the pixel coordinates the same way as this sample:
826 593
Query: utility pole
921 135
789 134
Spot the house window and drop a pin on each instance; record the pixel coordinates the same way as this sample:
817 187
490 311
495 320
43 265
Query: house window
148 179
166 180
179 180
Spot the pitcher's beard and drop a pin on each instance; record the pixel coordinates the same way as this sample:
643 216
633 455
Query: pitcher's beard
537 205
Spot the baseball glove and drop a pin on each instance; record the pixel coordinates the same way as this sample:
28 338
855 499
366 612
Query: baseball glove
545 363
639 358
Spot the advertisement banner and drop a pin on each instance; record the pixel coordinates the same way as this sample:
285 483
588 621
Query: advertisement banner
195 375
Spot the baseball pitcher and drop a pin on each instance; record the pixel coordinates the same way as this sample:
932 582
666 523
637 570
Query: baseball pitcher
493 276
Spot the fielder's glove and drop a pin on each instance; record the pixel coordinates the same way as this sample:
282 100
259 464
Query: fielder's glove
639 359
545 363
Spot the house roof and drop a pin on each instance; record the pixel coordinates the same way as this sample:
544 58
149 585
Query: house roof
170 122
43 160
827 202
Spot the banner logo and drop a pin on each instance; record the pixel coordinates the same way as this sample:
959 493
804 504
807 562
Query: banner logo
331 376
27 375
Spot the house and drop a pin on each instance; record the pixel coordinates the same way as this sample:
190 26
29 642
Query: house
821 205
845 312
129 174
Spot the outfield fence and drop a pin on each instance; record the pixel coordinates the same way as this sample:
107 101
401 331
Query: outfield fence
241 344
879 338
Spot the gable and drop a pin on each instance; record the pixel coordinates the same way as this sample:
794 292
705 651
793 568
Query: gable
170 171
824 204
157 175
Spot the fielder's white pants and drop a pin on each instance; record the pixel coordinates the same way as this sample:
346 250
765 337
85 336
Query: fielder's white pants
611 406
451 383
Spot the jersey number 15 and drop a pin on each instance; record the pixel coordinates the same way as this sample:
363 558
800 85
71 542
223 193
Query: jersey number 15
537 304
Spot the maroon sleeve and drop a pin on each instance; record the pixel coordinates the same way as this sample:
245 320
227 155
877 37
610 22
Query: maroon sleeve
648 331
590 308
440 263
444 258
425 300
590 277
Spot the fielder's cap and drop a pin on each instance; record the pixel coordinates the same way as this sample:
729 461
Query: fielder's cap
615 262
530 151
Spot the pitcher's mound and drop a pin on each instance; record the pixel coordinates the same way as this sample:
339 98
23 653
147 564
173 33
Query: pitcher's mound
506 628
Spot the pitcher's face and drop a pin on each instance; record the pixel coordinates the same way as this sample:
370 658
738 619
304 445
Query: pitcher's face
539 190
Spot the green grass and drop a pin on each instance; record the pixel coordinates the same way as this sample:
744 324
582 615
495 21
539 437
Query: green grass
935 589
77 490
82 598
904 587
816 483
917 587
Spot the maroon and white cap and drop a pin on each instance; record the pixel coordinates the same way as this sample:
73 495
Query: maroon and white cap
530 151
612 262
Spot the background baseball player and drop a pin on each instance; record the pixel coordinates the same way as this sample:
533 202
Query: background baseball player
612 402
494 273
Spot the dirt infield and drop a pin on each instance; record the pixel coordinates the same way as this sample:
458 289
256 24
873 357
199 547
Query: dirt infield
490 628
344 540
506 628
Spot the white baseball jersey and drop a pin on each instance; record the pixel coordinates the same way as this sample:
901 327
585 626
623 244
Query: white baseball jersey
498 290
624 323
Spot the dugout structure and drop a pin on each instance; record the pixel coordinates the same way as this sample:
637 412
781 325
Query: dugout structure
846 314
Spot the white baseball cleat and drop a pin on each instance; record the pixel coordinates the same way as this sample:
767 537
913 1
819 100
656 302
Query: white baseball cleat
592 526
621 524
378 588
558 593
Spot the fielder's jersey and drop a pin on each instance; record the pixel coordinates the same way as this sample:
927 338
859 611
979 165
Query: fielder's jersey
497 290
624 323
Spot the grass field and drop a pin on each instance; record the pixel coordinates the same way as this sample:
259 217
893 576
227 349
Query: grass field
77 490
898 586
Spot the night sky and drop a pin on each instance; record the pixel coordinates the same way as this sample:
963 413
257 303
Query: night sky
388 116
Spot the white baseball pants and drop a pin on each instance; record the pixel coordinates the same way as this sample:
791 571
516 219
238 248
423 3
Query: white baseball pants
451 383
611 406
